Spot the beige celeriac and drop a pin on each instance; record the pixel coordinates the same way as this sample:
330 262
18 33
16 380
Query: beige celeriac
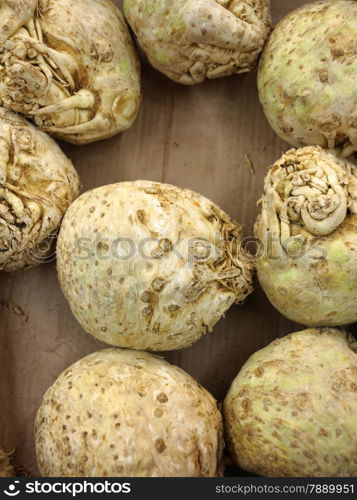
37 185
291 410
191 40
308 231
307 76
122 413
69 65
150 266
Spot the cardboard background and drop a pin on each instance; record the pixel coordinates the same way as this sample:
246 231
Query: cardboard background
193 137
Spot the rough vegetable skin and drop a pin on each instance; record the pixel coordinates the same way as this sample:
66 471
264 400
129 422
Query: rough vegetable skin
70 66
191 40
37 185
291 411
150 266
121 413
307 76
6 469
308 228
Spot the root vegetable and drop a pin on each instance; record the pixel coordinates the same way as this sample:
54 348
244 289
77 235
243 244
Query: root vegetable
308 227
291 411
6 469
70 65
150 266
37 185
190 40
307 76
121 413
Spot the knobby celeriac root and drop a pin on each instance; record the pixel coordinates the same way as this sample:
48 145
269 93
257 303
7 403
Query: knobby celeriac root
307 73
136 416
308 230
291 409
70 66
191 40
161 265
37 185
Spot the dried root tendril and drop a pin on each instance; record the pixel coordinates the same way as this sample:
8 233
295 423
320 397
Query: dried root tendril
34 75
231 269
310 189
6 469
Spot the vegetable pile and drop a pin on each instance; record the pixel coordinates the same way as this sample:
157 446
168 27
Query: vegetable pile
150 266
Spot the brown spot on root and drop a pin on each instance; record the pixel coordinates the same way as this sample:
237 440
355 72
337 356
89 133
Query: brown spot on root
246 404
147 296
165 244
258 372
147 312
323 75
158 284
160 445
141 215
162 397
